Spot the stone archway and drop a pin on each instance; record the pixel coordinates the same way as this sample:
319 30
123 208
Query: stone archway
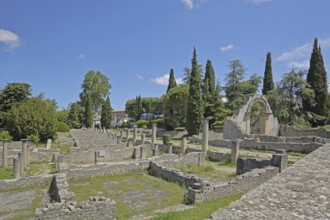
238 125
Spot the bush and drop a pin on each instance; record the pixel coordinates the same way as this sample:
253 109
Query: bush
159 122
180 129
166 139
142 123
62 127
34 138
5 135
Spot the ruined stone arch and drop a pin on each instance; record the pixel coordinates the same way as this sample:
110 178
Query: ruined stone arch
238 125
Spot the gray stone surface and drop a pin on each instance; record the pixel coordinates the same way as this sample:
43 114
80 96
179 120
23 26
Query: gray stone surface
301 191
10 201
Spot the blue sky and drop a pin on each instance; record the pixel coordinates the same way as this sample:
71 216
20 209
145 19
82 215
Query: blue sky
53 44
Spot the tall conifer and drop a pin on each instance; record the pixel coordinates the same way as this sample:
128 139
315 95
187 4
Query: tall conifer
317 79
88 112
268 84
171 81
195 103
106 114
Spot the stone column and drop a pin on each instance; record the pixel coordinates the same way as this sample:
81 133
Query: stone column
16 168
95 157
4 153
205 137
25 151
115 138
280 159
21 163
153 134
155 150
183 145
134 136
127 134
143 138
235 150
121 134
169 148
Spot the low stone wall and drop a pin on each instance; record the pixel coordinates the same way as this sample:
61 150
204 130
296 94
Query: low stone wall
241 184
246 164
218 156
173 175
59 190
25 181
43 155
294 132
95 208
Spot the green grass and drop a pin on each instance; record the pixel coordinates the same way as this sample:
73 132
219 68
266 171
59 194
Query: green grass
7 173
200 211
171 193
38 168
196 169
227 163
297 154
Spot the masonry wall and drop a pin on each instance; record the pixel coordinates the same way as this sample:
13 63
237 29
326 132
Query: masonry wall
95 208
241 184
293 132
25 181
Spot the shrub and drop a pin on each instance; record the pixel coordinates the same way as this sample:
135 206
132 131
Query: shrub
179 129
166 139
159 122
34 138
62 127
142 123
5 135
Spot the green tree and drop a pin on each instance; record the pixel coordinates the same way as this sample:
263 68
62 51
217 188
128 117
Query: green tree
195 109
175 107
75 116
106 114
97 85
317 80
236 74
32 117
209 93
88 112
268 83
13 93
171 81
63 115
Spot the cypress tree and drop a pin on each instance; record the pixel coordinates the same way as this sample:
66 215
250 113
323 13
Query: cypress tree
171 81
317 80
268 75
106 114
195 109
209 79
88 112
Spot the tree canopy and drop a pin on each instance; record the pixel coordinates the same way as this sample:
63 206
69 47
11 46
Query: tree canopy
268 83
106 114
171 81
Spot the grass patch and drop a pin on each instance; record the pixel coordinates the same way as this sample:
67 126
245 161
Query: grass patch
200 211
227 163
38 168
297 154
153 192
195 169
6 173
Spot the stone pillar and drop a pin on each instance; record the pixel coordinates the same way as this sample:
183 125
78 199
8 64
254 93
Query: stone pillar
25 151
155 150
95 157
16 168
247 123
183 145
169 148
4 153
205 137
137 153
280 159
143 138
134 135
153 134
130 143
143 152
121 134
21 163
127 134
235 150
115 138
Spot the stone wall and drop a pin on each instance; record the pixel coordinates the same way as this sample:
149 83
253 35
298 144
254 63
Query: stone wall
95 208
294 132
246 164
25 181
241 184
218 156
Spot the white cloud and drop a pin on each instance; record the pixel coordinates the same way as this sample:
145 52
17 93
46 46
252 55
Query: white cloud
256 2
163 80
9 39
297 52
227 48
191 4
139 76
82 56
300 65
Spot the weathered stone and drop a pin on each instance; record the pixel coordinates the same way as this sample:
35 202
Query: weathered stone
153 134
234 150
183 145
205 137
4 153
